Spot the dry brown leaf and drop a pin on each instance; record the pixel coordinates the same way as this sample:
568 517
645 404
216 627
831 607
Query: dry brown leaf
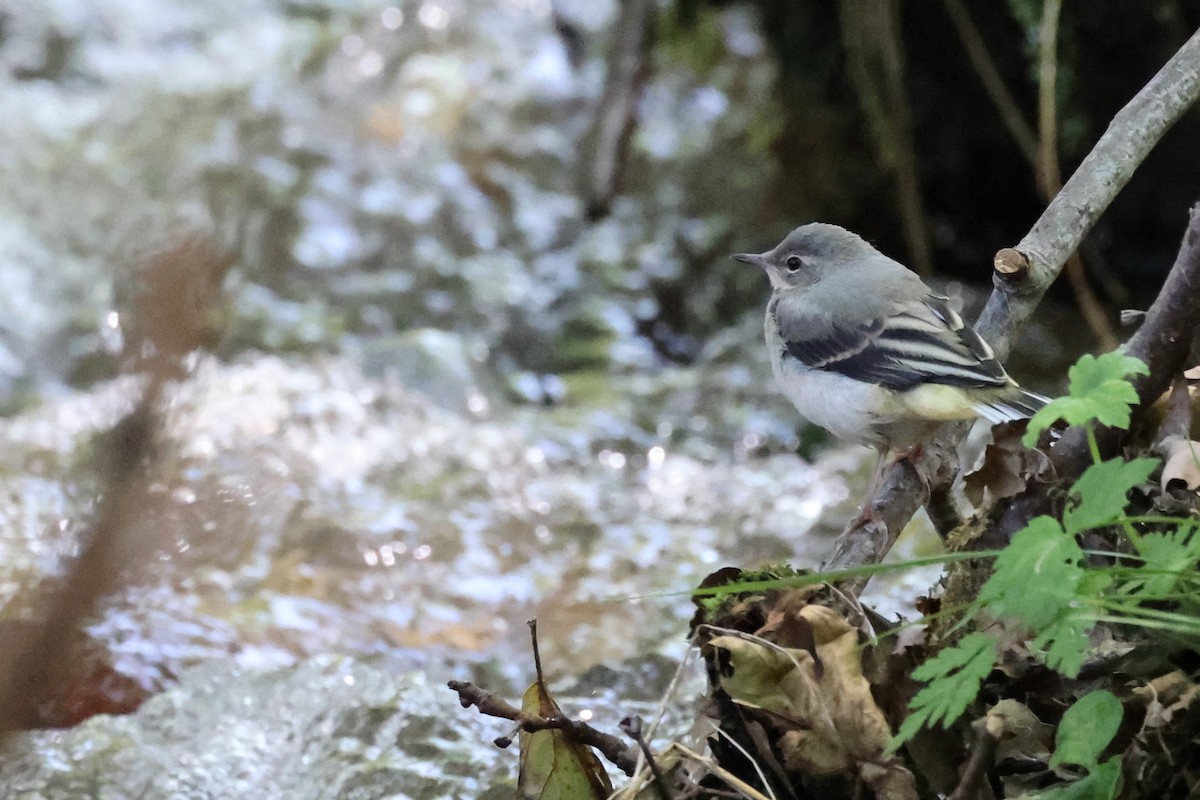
1018 732
1006 469
1166 696
830 721
1182 462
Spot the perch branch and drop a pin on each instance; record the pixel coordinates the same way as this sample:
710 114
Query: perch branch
1021 278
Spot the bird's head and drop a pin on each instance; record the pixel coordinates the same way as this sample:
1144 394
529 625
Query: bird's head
807 254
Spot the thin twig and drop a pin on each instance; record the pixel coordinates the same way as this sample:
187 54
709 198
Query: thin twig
632 727
875 57
993 84
1049 172
716 769
611 747
982 754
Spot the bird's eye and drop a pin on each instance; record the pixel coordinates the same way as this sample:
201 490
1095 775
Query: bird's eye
793 263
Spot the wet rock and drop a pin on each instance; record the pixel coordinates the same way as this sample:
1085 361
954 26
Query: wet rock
328 728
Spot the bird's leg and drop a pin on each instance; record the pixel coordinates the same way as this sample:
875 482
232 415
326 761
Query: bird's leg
867 512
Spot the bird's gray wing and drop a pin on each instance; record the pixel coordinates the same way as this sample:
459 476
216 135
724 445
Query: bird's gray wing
899 346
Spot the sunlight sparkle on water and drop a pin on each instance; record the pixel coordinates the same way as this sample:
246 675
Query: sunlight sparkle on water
611 459
656 456
433 15
371 64
477 404
391 18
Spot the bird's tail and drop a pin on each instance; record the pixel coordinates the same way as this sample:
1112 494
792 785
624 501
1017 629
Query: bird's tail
1013 404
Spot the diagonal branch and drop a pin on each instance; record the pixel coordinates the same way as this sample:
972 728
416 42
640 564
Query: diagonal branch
1131 135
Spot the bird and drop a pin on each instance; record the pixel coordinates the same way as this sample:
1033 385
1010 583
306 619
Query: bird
862 347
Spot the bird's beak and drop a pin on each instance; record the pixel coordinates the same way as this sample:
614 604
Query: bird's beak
750 258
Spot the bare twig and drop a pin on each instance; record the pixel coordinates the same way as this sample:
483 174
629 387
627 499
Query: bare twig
1040 150
1048 170
982 755
632 727
1131 135
611 747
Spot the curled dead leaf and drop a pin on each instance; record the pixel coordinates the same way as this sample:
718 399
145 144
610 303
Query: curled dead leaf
1181 462
1006 468
1019 734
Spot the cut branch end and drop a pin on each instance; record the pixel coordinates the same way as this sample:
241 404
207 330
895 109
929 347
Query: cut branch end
1011 265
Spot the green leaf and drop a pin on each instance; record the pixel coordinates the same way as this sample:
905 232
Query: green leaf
1168 558
552 767
1099 391
954 675
1036 577
1065 641
1086 729
1098 497
1102 783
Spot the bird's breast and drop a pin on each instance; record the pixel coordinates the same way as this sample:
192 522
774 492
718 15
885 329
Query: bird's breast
847 408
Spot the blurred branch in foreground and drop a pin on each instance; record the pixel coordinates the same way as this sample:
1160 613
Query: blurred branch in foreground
875 58
175 297
628 66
